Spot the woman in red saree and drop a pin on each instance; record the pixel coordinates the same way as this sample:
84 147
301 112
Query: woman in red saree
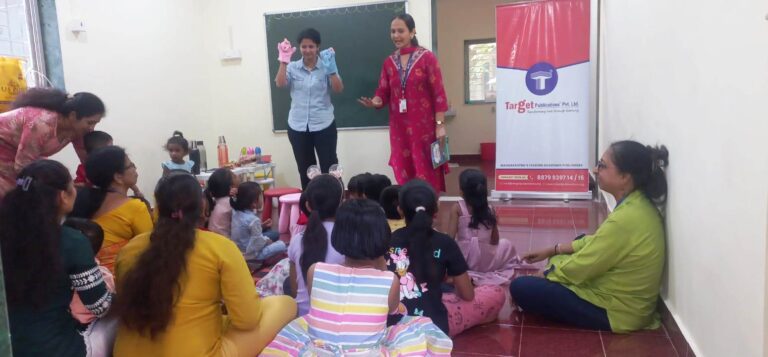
412 85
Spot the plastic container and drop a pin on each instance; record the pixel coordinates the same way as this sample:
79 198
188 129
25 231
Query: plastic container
223 152
203 157
194 155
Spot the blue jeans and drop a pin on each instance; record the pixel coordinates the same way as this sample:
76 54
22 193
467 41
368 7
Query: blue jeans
272 249
556 302
272 235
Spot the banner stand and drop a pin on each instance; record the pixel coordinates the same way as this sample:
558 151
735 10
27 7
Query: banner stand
543 100
508 195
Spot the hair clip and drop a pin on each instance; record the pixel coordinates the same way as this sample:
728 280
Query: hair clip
24 183
656 164
420 208
177 215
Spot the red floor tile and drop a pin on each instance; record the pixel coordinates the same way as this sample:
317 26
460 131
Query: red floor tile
515 234
532 320
657 332
510 216
552 218
520 240
489 340
542 239
675 335
637 345
514 231
543 342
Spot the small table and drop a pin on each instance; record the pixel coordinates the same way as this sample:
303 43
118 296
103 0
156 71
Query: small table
263 173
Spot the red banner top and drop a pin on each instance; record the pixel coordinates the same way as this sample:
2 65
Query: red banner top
553 31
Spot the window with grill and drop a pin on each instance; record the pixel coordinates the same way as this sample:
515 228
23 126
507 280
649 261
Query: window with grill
480 71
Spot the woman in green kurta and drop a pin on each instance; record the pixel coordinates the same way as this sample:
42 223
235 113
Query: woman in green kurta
609 280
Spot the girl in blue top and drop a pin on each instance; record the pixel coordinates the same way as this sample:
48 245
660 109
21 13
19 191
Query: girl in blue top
177 148
248 232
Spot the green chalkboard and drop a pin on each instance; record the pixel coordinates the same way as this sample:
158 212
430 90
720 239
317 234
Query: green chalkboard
360 37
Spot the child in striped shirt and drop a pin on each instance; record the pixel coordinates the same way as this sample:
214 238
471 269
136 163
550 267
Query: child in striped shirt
349 303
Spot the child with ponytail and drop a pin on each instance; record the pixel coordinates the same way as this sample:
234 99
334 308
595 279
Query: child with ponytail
473 224
323 197
423 257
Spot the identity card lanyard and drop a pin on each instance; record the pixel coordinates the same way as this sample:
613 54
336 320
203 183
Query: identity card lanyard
403 79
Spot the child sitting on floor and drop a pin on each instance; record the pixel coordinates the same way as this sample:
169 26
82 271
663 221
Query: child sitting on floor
350 302
92 141
205 212
473 224
389 201
376 185
422 257
95 235
99 332
247 230
322 197
367 185
221 186
356 185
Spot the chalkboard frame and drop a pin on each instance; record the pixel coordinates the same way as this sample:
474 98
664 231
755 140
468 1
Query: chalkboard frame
278 95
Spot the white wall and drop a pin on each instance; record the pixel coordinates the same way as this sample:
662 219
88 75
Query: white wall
156 65
669 76
146 60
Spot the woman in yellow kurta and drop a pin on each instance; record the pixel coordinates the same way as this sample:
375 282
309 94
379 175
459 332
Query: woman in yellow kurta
107 203
609 280
173 281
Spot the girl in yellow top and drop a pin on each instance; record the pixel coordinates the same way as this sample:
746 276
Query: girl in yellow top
107 203
609 280
173 281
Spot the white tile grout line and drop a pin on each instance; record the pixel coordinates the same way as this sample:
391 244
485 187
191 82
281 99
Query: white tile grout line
602 344
669 338
573 220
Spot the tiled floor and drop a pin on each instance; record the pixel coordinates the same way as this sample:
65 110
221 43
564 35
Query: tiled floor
532 224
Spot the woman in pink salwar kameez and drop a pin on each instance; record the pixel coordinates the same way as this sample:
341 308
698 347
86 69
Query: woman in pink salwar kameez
42 123
416 109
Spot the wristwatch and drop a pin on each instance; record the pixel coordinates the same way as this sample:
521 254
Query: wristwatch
439 122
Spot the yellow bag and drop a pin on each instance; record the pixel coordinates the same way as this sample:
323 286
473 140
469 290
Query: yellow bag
12 81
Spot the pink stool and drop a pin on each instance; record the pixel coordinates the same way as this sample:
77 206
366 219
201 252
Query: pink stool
276 192
289 212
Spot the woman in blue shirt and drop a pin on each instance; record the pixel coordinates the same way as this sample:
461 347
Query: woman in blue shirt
311 125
